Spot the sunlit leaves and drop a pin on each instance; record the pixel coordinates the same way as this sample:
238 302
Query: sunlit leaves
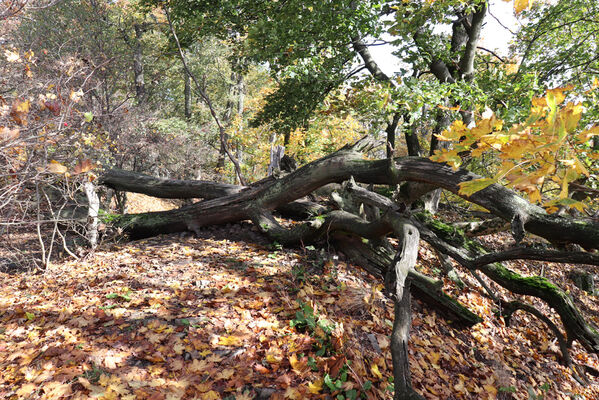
520 5
470 187
11 55
538 157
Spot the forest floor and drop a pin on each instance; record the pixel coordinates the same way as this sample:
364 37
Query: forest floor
229 315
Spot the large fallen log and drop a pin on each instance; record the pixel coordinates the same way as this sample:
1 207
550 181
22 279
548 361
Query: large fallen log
342 165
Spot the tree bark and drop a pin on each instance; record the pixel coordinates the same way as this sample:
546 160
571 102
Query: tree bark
453 242
187 94
138 65
397 280
348 162
400 355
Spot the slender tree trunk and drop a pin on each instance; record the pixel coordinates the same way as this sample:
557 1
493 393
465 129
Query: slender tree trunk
234 106
138 66
431 199
391 129
92 214
412 142
187 93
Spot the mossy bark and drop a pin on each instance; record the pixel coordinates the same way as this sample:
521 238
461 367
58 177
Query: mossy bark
453 242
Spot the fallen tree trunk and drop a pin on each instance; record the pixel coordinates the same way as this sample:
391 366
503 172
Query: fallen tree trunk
342 165
376 260
466 251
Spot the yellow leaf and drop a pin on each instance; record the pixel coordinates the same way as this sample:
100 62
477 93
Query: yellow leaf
470 187
273 358
520 5
375 371
315 386
511 68
211 395
580 167
433 357
230 341
571 115
534 196
56 168
298 366
490 389
450 157
539 102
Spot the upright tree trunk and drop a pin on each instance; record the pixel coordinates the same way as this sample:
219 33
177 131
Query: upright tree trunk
431 199
187 93
92 214
138 66
391 129
234 106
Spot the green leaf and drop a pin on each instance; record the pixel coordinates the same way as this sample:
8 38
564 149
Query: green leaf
329 382
367 385
29 316
88 116
312 363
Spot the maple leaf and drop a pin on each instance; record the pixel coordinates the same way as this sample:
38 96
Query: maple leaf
83 166
315 386
262 369
230 341
520 5
12 56
199 365
299 366
468 188
225 374
244 396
